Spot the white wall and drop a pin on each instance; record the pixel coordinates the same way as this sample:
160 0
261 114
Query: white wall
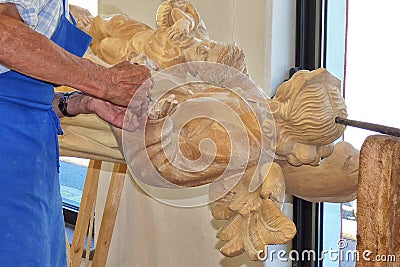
91 5
149 233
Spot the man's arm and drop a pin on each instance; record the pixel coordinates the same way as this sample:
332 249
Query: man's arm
30 53
80 103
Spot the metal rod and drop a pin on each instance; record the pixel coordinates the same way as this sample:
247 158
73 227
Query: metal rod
369 126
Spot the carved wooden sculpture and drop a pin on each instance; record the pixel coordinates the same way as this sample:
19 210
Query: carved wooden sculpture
304 111
340 169
192 134
179 37
254 219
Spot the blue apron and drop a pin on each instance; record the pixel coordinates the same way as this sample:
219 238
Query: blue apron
31 222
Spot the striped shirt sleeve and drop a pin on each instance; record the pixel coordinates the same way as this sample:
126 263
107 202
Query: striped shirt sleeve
41 15
28 10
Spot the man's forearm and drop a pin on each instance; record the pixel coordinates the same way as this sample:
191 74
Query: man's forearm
30 53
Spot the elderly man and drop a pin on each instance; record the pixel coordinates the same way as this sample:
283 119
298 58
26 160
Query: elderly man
40 46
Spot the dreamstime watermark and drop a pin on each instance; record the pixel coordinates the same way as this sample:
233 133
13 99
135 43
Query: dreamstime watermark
332 254
206 120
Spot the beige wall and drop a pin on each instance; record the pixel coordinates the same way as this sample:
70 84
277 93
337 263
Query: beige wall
149 233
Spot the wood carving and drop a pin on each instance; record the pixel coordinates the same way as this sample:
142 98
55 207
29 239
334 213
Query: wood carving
378 202
193 132
305 108
334 180
304 111
180 37
254 218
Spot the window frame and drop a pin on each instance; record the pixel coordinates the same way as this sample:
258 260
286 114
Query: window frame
310 46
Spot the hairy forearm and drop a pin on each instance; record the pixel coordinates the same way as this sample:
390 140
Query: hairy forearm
30 53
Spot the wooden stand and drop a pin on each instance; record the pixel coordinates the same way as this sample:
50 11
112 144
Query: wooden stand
378 202
85 221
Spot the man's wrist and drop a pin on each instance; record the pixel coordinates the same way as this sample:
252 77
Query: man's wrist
74 103
63 104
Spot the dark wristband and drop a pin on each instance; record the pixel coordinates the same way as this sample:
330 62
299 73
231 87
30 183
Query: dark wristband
63 103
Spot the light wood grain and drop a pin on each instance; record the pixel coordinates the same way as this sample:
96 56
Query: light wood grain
87 205
109 215
378 202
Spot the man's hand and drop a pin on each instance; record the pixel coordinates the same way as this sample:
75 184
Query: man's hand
118 116
49 62
126 82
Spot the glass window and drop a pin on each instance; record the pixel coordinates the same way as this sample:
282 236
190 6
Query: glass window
334 62
373 54
362 50
72 179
